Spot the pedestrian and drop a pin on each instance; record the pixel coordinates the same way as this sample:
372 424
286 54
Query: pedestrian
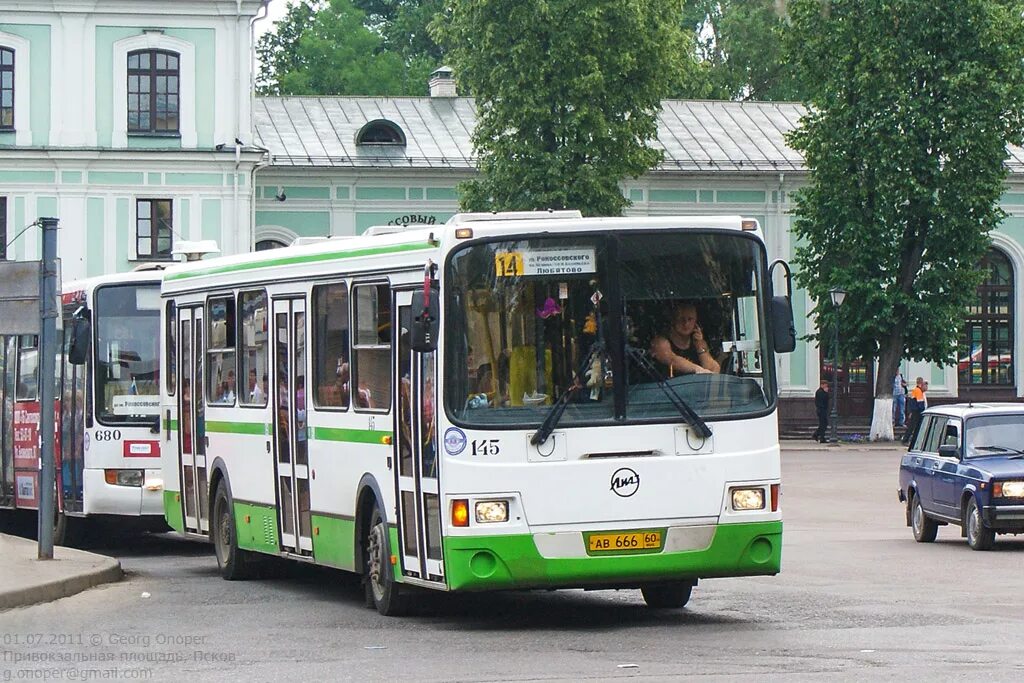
899 400
915 406
821 403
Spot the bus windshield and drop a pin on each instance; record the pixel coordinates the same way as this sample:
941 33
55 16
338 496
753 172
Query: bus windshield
126 320
590 320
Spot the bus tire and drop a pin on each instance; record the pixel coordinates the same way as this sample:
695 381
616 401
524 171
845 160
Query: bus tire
382 591
235 564
672 595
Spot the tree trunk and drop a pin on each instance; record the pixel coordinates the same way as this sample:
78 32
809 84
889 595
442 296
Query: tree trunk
889 353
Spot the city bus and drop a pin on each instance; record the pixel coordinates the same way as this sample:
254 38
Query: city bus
107 446
473 406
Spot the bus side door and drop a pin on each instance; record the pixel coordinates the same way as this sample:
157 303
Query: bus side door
192 421
416 451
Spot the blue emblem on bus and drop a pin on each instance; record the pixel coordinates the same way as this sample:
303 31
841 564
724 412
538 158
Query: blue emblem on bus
454 441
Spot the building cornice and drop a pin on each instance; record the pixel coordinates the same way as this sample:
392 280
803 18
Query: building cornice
163 8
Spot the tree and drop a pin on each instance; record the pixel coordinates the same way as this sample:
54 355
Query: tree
567 94
326 49
913 104
739 49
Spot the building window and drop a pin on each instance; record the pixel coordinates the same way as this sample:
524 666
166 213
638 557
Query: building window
986 344
153 229
3 227
380 132
153 92
6 88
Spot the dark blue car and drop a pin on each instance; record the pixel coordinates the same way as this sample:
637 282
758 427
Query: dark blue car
965 466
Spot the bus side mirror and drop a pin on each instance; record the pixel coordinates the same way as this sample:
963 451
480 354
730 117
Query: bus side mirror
423 336
783 330
81 333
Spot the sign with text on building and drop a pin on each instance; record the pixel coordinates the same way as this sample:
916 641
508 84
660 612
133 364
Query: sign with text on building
19 297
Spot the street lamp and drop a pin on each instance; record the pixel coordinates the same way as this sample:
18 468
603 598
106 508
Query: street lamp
838 296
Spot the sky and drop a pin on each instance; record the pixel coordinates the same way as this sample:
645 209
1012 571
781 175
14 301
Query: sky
275 11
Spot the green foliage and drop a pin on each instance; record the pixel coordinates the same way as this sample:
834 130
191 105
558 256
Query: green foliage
326 48
912 105
567 93
739 50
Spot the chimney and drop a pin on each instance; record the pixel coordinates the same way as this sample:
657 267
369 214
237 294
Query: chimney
442 83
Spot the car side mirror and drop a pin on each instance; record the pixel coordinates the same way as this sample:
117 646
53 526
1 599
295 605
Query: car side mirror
949 451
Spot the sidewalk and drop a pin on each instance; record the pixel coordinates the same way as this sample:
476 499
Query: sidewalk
845 446
24 580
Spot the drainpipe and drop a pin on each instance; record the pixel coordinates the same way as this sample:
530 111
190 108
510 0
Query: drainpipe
264 8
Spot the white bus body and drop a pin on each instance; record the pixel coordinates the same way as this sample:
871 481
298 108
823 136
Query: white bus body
532 449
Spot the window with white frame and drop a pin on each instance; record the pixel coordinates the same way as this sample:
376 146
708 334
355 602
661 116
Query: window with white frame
154 229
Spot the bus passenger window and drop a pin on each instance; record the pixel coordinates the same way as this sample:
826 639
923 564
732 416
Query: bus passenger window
372 347
331 368
222 387
28 359
253 355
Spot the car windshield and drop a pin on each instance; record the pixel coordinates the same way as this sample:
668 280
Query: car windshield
994 435
127 322
532 319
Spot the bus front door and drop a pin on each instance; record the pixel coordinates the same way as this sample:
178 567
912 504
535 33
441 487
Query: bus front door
291 461
192 422
416 453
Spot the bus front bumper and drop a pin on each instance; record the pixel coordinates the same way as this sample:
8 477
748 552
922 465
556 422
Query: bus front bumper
477 563
102 498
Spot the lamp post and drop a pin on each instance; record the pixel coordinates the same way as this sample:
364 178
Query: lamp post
838 296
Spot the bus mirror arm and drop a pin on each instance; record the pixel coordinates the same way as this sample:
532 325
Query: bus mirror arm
781 313
423 335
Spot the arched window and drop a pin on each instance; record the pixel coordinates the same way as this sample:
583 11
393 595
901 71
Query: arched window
986 344
153 91
6 88
266 245
380 132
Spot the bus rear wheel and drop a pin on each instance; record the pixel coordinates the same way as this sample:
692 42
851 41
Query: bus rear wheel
381 588
673 595
234 563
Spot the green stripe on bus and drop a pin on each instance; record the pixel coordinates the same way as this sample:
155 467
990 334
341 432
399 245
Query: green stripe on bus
171 425
477 563
350 435
258 428
172 511
306 258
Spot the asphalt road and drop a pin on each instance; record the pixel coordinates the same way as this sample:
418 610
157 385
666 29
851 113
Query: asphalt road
858 599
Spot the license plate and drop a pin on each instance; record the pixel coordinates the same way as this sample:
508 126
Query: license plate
624 542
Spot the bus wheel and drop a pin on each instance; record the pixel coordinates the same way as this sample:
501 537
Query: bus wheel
379 575
667 595
234 563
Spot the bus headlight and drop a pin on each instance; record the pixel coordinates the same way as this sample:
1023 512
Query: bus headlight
489 511
124 477
747 499
1008 489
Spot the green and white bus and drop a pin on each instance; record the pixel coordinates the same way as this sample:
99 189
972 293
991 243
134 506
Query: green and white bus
472 406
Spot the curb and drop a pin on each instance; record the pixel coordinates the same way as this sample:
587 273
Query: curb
109 571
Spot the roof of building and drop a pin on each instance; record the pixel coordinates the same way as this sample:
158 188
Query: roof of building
696 135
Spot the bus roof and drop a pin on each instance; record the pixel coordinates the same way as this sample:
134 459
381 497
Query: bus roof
88 284
391 241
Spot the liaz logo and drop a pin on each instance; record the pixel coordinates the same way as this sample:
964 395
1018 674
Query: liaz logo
625 482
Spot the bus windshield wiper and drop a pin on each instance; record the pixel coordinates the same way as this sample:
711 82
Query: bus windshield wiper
692 418
556 410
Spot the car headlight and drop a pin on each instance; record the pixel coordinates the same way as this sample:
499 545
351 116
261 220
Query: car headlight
489 511
748 499
1008 489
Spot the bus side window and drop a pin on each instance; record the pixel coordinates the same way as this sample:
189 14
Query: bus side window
27 388
171 322
331 367
371 350
222 386
253 364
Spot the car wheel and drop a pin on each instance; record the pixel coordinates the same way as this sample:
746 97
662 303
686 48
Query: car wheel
378 574
925 528
979 536
234 563
667 595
